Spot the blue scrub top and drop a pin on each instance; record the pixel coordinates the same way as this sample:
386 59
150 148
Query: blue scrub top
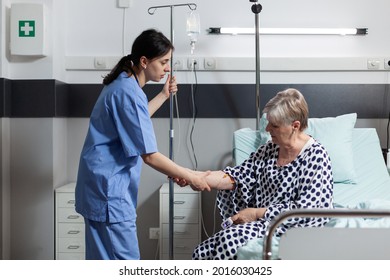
120 131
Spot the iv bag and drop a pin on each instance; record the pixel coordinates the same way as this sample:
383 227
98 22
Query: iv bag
193 26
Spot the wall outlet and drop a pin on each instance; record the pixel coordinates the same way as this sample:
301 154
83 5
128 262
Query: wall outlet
373 63
154 233
210 63
387 63
193 63
177 65
100 63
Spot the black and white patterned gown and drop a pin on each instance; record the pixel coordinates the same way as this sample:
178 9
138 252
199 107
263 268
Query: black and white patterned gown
306 182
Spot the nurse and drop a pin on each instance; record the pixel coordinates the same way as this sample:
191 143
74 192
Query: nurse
119 137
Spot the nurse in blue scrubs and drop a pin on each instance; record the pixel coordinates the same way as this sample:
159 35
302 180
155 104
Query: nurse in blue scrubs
119 138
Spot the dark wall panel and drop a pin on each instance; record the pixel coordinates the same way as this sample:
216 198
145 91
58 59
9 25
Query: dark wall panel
32 98
324 100
51 98
82 98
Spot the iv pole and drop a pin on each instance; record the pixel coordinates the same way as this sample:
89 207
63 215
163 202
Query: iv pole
256 9
151 11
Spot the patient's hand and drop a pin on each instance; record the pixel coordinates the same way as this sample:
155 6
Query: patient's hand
248 215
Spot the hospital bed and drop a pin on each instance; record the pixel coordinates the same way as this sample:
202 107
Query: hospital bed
359 226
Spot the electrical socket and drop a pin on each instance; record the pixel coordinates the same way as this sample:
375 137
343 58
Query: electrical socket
177 65
387 63
191 62
209 63
373 63
154 233
100 63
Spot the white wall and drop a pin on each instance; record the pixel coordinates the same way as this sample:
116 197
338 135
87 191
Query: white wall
86 29
94 28
233 13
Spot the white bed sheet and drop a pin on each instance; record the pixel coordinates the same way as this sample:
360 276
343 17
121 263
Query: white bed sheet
373 181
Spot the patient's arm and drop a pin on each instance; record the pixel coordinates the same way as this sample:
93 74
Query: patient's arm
218 180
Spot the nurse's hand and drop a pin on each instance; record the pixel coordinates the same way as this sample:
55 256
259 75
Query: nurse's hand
181 182
199 183
170 86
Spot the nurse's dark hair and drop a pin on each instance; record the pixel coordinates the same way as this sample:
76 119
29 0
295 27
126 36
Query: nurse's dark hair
150 43
286 107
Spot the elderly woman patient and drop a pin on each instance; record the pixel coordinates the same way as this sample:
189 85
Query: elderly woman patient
290 171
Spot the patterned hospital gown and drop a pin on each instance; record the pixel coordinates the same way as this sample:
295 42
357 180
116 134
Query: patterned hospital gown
306 182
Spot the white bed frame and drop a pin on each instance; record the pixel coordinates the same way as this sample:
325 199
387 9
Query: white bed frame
327 243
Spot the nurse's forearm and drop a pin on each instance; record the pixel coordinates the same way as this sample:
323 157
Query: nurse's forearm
166 166
156 103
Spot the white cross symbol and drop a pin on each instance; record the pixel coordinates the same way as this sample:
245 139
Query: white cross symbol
26 28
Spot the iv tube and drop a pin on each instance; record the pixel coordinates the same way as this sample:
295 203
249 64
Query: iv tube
193 28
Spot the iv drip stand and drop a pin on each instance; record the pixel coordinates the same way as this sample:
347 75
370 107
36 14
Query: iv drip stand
151 11
256 9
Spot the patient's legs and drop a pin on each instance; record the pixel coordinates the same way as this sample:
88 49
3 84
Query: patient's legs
224 244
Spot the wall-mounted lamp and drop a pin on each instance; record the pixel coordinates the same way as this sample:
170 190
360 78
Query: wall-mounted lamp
289 31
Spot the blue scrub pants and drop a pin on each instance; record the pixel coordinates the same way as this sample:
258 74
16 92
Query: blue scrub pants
111 241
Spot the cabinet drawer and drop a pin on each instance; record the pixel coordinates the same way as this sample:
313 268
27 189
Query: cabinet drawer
180 246
68 215
65 200
181 201
186 222
71 230
71 245
182 231
181 216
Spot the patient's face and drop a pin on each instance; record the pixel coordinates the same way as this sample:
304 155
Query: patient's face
280 134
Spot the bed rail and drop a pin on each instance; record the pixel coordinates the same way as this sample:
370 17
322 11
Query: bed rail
310 213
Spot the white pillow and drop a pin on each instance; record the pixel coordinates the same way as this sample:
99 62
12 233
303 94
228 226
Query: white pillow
335 134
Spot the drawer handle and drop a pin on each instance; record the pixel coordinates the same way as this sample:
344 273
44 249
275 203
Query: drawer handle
180 232
179 217
179 202
73 247
181 247
73 232
73 217
72 201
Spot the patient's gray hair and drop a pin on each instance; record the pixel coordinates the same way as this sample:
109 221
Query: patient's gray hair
286 107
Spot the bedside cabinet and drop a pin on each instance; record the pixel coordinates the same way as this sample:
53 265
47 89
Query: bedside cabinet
69 225
186 220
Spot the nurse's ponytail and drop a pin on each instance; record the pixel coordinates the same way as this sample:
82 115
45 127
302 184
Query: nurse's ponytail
125 64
